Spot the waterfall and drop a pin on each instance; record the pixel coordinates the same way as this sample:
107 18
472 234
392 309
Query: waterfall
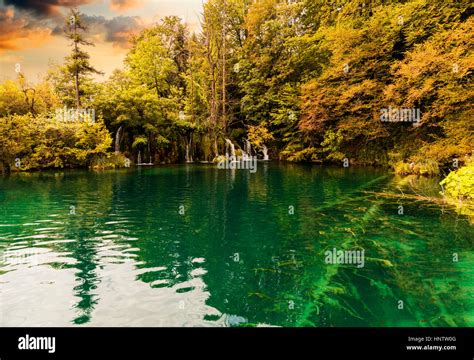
265 152
232 148
117 140
244 152
189 157
249 147
248 150
149 151
139 161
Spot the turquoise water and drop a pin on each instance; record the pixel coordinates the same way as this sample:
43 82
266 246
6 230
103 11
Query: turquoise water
191 245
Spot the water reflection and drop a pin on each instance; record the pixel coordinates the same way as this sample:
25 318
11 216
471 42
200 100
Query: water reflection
195 246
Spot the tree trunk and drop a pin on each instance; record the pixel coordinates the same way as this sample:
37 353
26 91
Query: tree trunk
6 170
76 81
76 70
224 85
216 149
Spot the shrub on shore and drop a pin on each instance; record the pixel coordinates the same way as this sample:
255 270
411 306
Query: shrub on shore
30 142
424 168
459 184
109 161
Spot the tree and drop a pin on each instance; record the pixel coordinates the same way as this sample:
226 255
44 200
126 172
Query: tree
77 64
12 99
17 135
38 142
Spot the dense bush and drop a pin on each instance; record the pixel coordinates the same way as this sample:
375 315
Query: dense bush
37 142
109 161
459 184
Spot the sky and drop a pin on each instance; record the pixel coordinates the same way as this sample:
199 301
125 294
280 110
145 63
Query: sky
31 31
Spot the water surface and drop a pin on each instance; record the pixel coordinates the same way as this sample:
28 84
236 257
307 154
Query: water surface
191 245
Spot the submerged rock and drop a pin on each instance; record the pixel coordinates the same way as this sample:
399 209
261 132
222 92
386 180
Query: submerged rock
235 320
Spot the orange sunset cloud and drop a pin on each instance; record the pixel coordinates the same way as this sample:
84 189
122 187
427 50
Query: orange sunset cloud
20 33
124 5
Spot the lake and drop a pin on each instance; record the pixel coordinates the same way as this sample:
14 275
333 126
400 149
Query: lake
192 245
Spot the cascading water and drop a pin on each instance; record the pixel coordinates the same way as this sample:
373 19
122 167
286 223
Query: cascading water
265 152
149 153
117 140
232 148
244 152
189 158
249 147
139 160
247 152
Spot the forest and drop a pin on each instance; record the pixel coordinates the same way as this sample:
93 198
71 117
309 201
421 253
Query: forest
264 163
302 81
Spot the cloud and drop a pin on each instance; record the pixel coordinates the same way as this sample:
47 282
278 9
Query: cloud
124 5
119 29
52 7
116 30
20 32
21 29
45 7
